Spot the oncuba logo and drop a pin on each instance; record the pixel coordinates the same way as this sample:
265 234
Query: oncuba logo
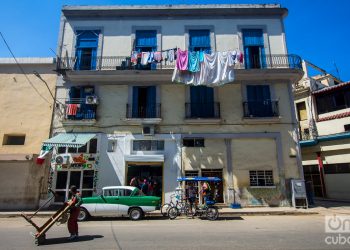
337 224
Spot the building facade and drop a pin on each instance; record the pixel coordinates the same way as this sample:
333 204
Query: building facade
322 104
26 112
141 124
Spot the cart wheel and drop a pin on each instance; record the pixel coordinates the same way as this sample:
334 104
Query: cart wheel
40 240
173 213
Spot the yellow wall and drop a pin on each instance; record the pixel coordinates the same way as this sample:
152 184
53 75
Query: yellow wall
23 111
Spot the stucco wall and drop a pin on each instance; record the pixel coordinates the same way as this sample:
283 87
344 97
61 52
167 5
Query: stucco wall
338 186
117 39
21 184
23 111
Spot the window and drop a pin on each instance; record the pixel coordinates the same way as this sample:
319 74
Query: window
193 142
202 102
61 150
77 95
199 40
146 40
82 149
111 192
191 173
261 178
72 150
333 101
124 192
148 145
86 49
144 102
347 127
13 139
254 51
339 168
88 179
301 109
259 103
93 146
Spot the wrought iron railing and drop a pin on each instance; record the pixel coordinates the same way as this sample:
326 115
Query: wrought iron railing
78 109
265 108
268 61
143 111
202 110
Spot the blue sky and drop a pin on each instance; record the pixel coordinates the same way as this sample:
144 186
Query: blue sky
316 30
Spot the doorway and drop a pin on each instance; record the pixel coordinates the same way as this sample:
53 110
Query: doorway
312 174
220 187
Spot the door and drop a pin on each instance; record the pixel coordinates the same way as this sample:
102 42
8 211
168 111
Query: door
219 187
259 101
109 205
254 50
125 201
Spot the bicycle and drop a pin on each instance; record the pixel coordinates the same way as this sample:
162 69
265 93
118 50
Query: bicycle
181 205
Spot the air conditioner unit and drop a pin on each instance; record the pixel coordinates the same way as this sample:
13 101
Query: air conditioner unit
63 159
148 130
91 99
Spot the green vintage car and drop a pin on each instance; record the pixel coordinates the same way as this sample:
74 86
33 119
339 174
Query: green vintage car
119 201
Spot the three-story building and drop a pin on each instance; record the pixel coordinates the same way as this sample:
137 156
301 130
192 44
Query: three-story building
120 115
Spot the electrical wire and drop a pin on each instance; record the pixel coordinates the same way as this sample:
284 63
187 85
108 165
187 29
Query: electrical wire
22 70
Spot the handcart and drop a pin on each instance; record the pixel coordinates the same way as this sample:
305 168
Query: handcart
60 216
209 210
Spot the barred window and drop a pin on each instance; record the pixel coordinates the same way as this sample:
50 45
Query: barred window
148 145
261 178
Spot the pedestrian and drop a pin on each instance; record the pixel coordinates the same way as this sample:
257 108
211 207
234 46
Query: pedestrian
134 182
144 186
205 191
74 213
192 194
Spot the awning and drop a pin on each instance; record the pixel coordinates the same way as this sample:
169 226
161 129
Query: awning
144 158
72 140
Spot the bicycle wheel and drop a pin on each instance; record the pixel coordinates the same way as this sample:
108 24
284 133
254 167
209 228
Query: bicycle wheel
165 209
173 213
212 213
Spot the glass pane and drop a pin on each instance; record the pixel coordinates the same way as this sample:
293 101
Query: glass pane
93 146
75 179
88 179
61 150
72 150
124 192
82 149
61 180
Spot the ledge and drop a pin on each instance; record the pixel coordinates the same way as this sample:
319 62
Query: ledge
262 119
140 121
79 122
202 120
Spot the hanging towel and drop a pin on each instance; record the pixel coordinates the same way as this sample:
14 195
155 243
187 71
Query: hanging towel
157 56
201 56
134 56
171 55
239 57
151 57
182 59
144 58
193 61
233 57
72 109
165 55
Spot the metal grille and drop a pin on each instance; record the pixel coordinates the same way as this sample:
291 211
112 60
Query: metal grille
261 178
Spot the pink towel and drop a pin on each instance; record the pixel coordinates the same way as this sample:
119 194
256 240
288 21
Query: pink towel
182 59
72 109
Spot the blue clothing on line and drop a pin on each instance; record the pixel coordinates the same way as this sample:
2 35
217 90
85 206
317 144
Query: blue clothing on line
193 61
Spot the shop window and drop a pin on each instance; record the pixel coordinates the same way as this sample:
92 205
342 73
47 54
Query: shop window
72 150
13 139
93 146
61 150
191 173
261 178
88 179
148 145
193 142
340 168
347 127
75 179
82 149
61 180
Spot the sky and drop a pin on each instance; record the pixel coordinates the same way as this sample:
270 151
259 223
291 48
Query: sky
316 30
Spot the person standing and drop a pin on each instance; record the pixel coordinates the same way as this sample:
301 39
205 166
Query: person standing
74 213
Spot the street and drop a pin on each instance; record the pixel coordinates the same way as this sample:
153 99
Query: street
247 232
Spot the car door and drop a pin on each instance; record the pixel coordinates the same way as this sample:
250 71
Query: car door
109 205
125 201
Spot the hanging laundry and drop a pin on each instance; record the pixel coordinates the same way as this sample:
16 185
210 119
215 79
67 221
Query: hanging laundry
182 59
201 56
144 58
193 61
158 56
239 57
72 109
233 57
171 55
151 57
134 56
165 55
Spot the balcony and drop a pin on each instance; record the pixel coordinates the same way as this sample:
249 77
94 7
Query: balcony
118 69
77 111
143 114
260 109
202 112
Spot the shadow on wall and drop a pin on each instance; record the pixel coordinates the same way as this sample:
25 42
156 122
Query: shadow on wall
199 158
271 197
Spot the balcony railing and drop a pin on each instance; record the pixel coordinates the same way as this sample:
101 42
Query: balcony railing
208 110
108 63
143 111
124 63
260 109
77 109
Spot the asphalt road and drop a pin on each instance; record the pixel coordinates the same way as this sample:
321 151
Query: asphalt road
248 232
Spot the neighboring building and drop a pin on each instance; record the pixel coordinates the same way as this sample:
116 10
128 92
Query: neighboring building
323 111
118 121
26 113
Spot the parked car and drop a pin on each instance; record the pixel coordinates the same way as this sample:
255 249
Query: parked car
119 201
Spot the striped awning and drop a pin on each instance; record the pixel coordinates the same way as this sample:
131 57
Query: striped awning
72 140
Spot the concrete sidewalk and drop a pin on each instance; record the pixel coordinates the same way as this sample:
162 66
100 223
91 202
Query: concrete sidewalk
321 207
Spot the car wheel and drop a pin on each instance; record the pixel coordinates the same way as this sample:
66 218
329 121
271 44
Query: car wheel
83 215
135 213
